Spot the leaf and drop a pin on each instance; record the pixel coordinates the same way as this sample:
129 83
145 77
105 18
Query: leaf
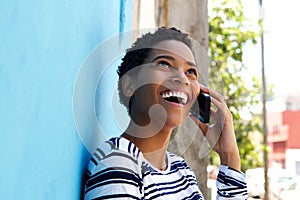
229 32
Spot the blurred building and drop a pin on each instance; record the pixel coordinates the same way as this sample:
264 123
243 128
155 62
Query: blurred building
284 137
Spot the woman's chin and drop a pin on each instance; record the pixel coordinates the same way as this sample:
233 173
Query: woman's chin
174 121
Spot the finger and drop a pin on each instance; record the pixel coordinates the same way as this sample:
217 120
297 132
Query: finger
204 89
217 116
203 127
220 104
215 95
213 110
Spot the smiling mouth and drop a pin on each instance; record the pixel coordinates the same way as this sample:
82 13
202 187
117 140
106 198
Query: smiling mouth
175 97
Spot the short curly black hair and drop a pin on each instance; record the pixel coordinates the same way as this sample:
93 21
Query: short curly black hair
142 48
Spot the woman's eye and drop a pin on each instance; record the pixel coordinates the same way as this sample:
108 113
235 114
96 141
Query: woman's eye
164 64
192 71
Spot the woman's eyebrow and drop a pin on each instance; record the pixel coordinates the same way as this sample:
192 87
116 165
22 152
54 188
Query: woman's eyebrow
171 59
191 64
163 57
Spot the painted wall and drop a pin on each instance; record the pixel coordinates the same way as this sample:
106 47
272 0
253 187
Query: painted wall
43 44
292 161
291 118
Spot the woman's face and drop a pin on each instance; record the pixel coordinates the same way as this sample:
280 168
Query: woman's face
169 77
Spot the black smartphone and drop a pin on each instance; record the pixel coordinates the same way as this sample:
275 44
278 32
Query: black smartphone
201 107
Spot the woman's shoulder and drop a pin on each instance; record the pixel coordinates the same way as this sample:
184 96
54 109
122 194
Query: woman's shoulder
115 153
177 161
113 171
174 157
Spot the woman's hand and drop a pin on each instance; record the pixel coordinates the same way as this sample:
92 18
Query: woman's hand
221 135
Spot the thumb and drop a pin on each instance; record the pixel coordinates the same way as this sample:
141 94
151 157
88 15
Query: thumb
203 127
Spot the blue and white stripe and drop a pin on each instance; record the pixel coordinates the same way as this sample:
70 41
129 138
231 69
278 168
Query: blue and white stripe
118 170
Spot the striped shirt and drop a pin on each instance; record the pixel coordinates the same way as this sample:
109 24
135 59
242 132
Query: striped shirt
118 170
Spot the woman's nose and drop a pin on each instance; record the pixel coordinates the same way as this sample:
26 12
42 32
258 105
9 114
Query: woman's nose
180 77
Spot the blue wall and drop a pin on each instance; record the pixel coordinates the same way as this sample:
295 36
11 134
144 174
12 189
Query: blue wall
43 44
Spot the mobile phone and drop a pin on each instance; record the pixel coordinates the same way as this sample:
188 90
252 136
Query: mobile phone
201 107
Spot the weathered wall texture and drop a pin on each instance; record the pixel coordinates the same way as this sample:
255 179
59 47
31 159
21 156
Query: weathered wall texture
191 17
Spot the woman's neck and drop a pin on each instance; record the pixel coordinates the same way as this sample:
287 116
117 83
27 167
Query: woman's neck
153 148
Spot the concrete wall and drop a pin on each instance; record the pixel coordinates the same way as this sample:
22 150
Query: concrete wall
43 44
192 18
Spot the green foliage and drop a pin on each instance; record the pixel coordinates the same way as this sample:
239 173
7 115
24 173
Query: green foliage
229 32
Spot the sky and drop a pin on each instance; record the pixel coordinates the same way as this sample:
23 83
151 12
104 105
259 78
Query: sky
281 43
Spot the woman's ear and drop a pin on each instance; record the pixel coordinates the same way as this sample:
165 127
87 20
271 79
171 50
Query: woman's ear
127 85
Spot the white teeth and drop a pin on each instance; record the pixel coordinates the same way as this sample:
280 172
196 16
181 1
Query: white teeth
177 94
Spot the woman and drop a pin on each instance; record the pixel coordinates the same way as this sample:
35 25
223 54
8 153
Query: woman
158 83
